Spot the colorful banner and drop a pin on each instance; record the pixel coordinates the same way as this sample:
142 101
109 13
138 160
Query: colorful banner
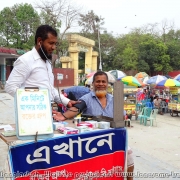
93 155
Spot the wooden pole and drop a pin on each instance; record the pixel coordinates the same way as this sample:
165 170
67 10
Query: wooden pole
118 95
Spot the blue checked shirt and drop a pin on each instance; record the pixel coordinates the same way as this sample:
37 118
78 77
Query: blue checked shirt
94 107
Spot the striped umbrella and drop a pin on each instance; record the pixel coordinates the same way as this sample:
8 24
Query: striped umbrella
156 79
177 77
169 83
130 81
117 74
141 82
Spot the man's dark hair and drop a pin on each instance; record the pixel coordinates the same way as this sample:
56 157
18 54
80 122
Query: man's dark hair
42 32
100 73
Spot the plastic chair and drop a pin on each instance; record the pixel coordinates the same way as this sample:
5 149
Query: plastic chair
146 115
153 107
149 104
138 107
141 114
152 117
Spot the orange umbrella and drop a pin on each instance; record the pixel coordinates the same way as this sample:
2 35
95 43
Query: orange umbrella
139 80
141 75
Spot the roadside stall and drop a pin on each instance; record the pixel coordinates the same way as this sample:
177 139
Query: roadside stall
43 149
174 104
130 99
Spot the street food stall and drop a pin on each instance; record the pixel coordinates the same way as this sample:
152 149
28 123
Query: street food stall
174 104
130 99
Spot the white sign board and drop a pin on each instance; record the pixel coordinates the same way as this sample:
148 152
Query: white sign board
59 76
33 112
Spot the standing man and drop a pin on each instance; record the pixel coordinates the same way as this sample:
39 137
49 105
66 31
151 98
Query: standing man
96 102
34 68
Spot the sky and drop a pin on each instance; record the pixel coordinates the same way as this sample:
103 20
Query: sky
121 16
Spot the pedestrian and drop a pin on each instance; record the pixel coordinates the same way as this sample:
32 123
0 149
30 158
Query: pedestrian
34 68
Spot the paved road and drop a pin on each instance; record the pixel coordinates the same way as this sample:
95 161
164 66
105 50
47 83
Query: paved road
156 149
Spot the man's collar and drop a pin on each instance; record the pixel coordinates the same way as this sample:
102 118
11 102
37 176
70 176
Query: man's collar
36 54
93 94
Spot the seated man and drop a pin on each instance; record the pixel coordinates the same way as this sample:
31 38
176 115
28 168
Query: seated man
157 104
97 102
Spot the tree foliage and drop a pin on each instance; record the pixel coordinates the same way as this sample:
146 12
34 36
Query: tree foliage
18 25
143 49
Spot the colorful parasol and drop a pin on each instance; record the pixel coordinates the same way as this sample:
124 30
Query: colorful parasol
177 77
117 74
141 82
156 79
90 74
141 75
145 80
169 83
130 81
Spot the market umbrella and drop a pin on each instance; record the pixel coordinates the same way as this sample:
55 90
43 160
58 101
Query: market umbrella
168 83
90 74
145 80
117 74
141 82
141 75
177 77
111 79
130 81
156 79
168 76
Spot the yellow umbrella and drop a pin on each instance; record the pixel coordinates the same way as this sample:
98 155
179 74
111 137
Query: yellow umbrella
130 81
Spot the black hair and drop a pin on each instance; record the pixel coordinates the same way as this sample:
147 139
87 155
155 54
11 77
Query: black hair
42 32
100 73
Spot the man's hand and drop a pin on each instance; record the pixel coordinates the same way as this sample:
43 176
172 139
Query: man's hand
71 103
58 116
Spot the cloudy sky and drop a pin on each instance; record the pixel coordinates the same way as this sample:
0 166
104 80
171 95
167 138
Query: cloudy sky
122 15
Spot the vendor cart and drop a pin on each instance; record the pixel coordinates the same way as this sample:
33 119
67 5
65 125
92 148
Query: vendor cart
174 109
130 100
174 105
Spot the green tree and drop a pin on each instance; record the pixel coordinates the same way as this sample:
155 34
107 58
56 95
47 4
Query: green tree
28 19
18 25
7 29
154 53
129 59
